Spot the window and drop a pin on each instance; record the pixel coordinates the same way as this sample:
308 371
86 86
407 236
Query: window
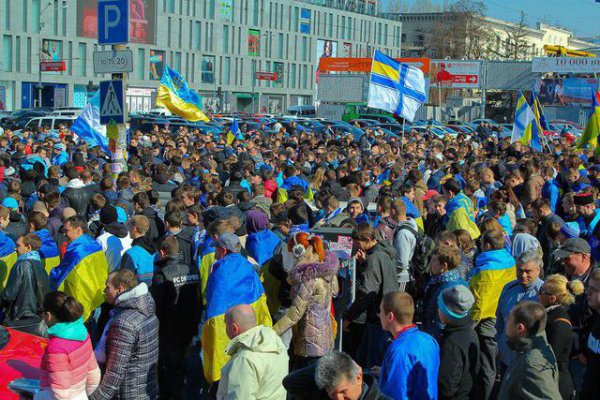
177 62
304 48
403 38
330 25
6 61
280 45
198 28
208 69
211 9
170 6
225 39
179 32
304 77
226 70
7 14
294 27
82 55
343 30
255 11
140 63
25 13
349 32
28 61
18 53
292 80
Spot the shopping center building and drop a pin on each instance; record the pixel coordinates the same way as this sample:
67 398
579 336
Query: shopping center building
217 45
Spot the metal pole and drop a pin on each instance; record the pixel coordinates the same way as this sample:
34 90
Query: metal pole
403 127
440 99
253 78
39 88
482 103
119 157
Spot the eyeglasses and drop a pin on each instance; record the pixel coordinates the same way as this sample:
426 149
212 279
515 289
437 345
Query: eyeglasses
542 291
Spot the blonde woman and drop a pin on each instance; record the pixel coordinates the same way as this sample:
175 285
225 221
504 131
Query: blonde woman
557 294
318 179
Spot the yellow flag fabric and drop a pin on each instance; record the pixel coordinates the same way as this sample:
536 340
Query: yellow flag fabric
6 264
175 95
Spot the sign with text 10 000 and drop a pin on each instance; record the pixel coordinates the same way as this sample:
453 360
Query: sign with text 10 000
116 61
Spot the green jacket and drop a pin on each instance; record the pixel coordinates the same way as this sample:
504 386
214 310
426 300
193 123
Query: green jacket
533 374
258 364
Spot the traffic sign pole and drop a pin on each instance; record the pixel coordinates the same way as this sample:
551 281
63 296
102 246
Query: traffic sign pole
119 157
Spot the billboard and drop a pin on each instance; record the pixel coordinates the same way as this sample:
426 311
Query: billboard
157 64
564 65
304 20
142 20
565 92
208 69
253 42
456 74
226 11
325 49
51 50
346 49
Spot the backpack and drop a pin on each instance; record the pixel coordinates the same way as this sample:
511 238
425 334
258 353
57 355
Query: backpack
424 248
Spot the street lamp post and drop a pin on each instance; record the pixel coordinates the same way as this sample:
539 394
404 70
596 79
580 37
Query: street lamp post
41 25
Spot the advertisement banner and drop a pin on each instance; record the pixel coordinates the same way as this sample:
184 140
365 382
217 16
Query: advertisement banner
565 92
304 20
253 42
226 10
53 66
51 50
157 64
142 20
325 50
346 49
358 64
563 65
456 74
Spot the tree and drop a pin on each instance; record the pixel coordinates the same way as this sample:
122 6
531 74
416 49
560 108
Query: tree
517 46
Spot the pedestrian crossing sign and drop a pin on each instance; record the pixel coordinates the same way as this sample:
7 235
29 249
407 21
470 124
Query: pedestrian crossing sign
111 102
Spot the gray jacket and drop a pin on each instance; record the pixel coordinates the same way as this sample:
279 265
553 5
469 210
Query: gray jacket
404 243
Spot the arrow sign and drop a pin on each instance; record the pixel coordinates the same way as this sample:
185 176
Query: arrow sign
111 102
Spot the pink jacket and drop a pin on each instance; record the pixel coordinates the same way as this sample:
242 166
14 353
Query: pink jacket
69 370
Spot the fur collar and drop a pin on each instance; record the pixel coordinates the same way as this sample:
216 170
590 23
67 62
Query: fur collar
311 268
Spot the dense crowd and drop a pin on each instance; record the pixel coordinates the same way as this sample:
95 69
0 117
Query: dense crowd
475 266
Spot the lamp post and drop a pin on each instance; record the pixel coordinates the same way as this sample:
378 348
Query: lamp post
40 26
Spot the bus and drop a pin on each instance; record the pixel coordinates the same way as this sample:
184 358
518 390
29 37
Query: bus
361 111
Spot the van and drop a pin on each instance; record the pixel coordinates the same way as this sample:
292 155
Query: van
302 111
50 121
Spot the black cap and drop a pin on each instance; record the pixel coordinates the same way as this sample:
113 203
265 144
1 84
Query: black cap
573 246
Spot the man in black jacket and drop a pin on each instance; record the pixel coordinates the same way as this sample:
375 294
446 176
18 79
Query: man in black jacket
175 291
459 345
141 204
76 194
174 227
26 287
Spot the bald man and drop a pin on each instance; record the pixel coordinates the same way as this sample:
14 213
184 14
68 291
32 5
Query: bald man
259 359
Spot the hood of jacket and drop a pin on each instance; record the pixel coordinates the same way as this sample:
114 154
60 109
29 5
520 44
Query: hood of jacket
117 229
259 339
76 184
389 223
304 271
69 330
145 243
138 299
383 247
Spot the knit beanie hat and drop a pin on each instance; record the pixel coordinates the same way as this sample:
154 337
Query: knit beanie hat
455 302
570 230
108 215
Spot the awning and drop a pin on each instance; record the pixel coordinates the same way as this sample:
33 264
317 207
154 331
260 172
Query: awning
240 95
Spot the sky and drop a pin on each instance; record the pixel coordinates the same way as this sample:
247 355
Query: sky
580 16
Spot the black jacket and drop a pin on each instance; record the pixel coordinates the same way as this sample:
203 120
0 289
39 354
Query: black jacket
16 227
157 226
185 239
175 289
459 360
589 389
78 199
560 338
26 287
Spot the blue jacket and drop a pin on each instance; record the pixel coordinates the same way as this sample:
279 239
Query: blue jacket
514 292
60 159
551 191
410 367
140 261
435 285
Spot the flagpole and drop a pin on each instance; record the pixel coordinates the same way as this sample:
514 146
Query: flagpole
402 142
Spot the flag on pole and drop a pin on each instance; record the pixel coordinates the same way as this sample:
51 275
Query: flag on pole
87 126
592 127
175 95
234 132
396 87
523 119
538 111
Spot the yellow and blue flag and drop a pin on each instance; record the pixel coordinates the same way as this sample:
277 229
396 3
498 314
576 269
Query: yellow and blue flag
207 259
8 258
233 281
82 273
396 87
525 128
538 111
234 132
592 127
175 95
48 251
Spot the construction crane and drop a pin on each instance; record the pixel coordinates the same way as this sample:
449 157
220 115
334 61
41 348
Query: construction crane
561 51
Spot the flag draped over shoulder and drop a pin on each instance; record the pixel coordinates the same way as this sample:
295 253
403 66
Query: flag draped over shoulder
234 132
206 261
460 215
8 258
82 273
87 126
233 281
48 251
175 95
592 127
395 87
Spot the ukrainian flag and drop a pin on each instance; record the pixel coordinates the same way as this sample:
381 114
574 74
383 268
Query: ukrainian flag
175 95
460 215
48 251
8 258
207 259
233 281
234 132
82 273
592 128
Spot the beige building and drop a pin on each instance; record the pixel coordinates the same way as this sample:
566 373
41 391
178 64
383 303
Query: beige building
455 35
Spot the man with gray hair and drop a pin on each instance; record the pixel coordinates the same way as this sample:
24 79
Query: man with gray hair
525 287
259 359
341 377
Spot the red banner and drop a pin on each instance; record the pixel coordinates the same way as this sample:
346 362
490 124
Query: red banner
53 66
356 64
265 76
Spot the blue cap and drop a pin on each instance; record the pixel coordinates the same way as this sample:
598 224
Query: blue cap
570 230
10 202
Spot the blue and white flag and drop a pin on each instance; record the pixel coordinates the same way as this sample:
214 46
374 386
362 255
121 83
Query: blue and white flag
87 126
396 87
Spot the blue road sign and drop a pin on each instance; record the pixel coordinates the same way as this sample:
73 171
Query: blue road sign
113 21
111 102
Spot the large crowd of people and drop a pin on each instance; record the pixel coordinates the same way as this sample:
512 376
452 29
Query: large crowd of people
475 266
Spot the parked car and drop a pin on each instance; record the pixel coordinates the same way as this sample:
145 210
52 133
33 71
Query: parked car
364 123
302 111
476 122
50 121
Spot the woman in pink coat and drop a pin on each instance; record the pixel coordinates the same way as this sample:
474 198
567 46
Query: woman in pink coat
69 368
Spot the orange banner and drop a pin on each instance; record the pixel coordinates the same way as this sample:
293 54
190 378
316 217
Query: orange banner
340 64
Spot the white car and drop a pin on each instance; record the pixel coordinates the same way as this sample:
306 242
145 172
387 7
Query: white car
50 121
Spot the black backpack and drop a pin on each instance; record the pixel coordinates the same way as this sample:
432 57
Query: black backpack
424 248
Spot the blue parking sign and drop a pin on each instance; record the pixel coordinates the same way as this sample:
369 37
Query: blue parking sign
113 21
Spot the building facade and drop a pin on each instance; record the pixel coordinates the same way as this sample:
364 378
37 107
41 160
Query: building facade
217 45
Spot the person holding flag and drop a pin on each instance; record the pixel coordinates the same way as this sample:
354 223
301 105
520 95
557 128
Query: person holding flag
175 95
83 271
234 133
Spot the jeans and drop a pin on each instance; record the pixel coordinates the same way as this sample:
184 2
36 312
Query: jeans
486 332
